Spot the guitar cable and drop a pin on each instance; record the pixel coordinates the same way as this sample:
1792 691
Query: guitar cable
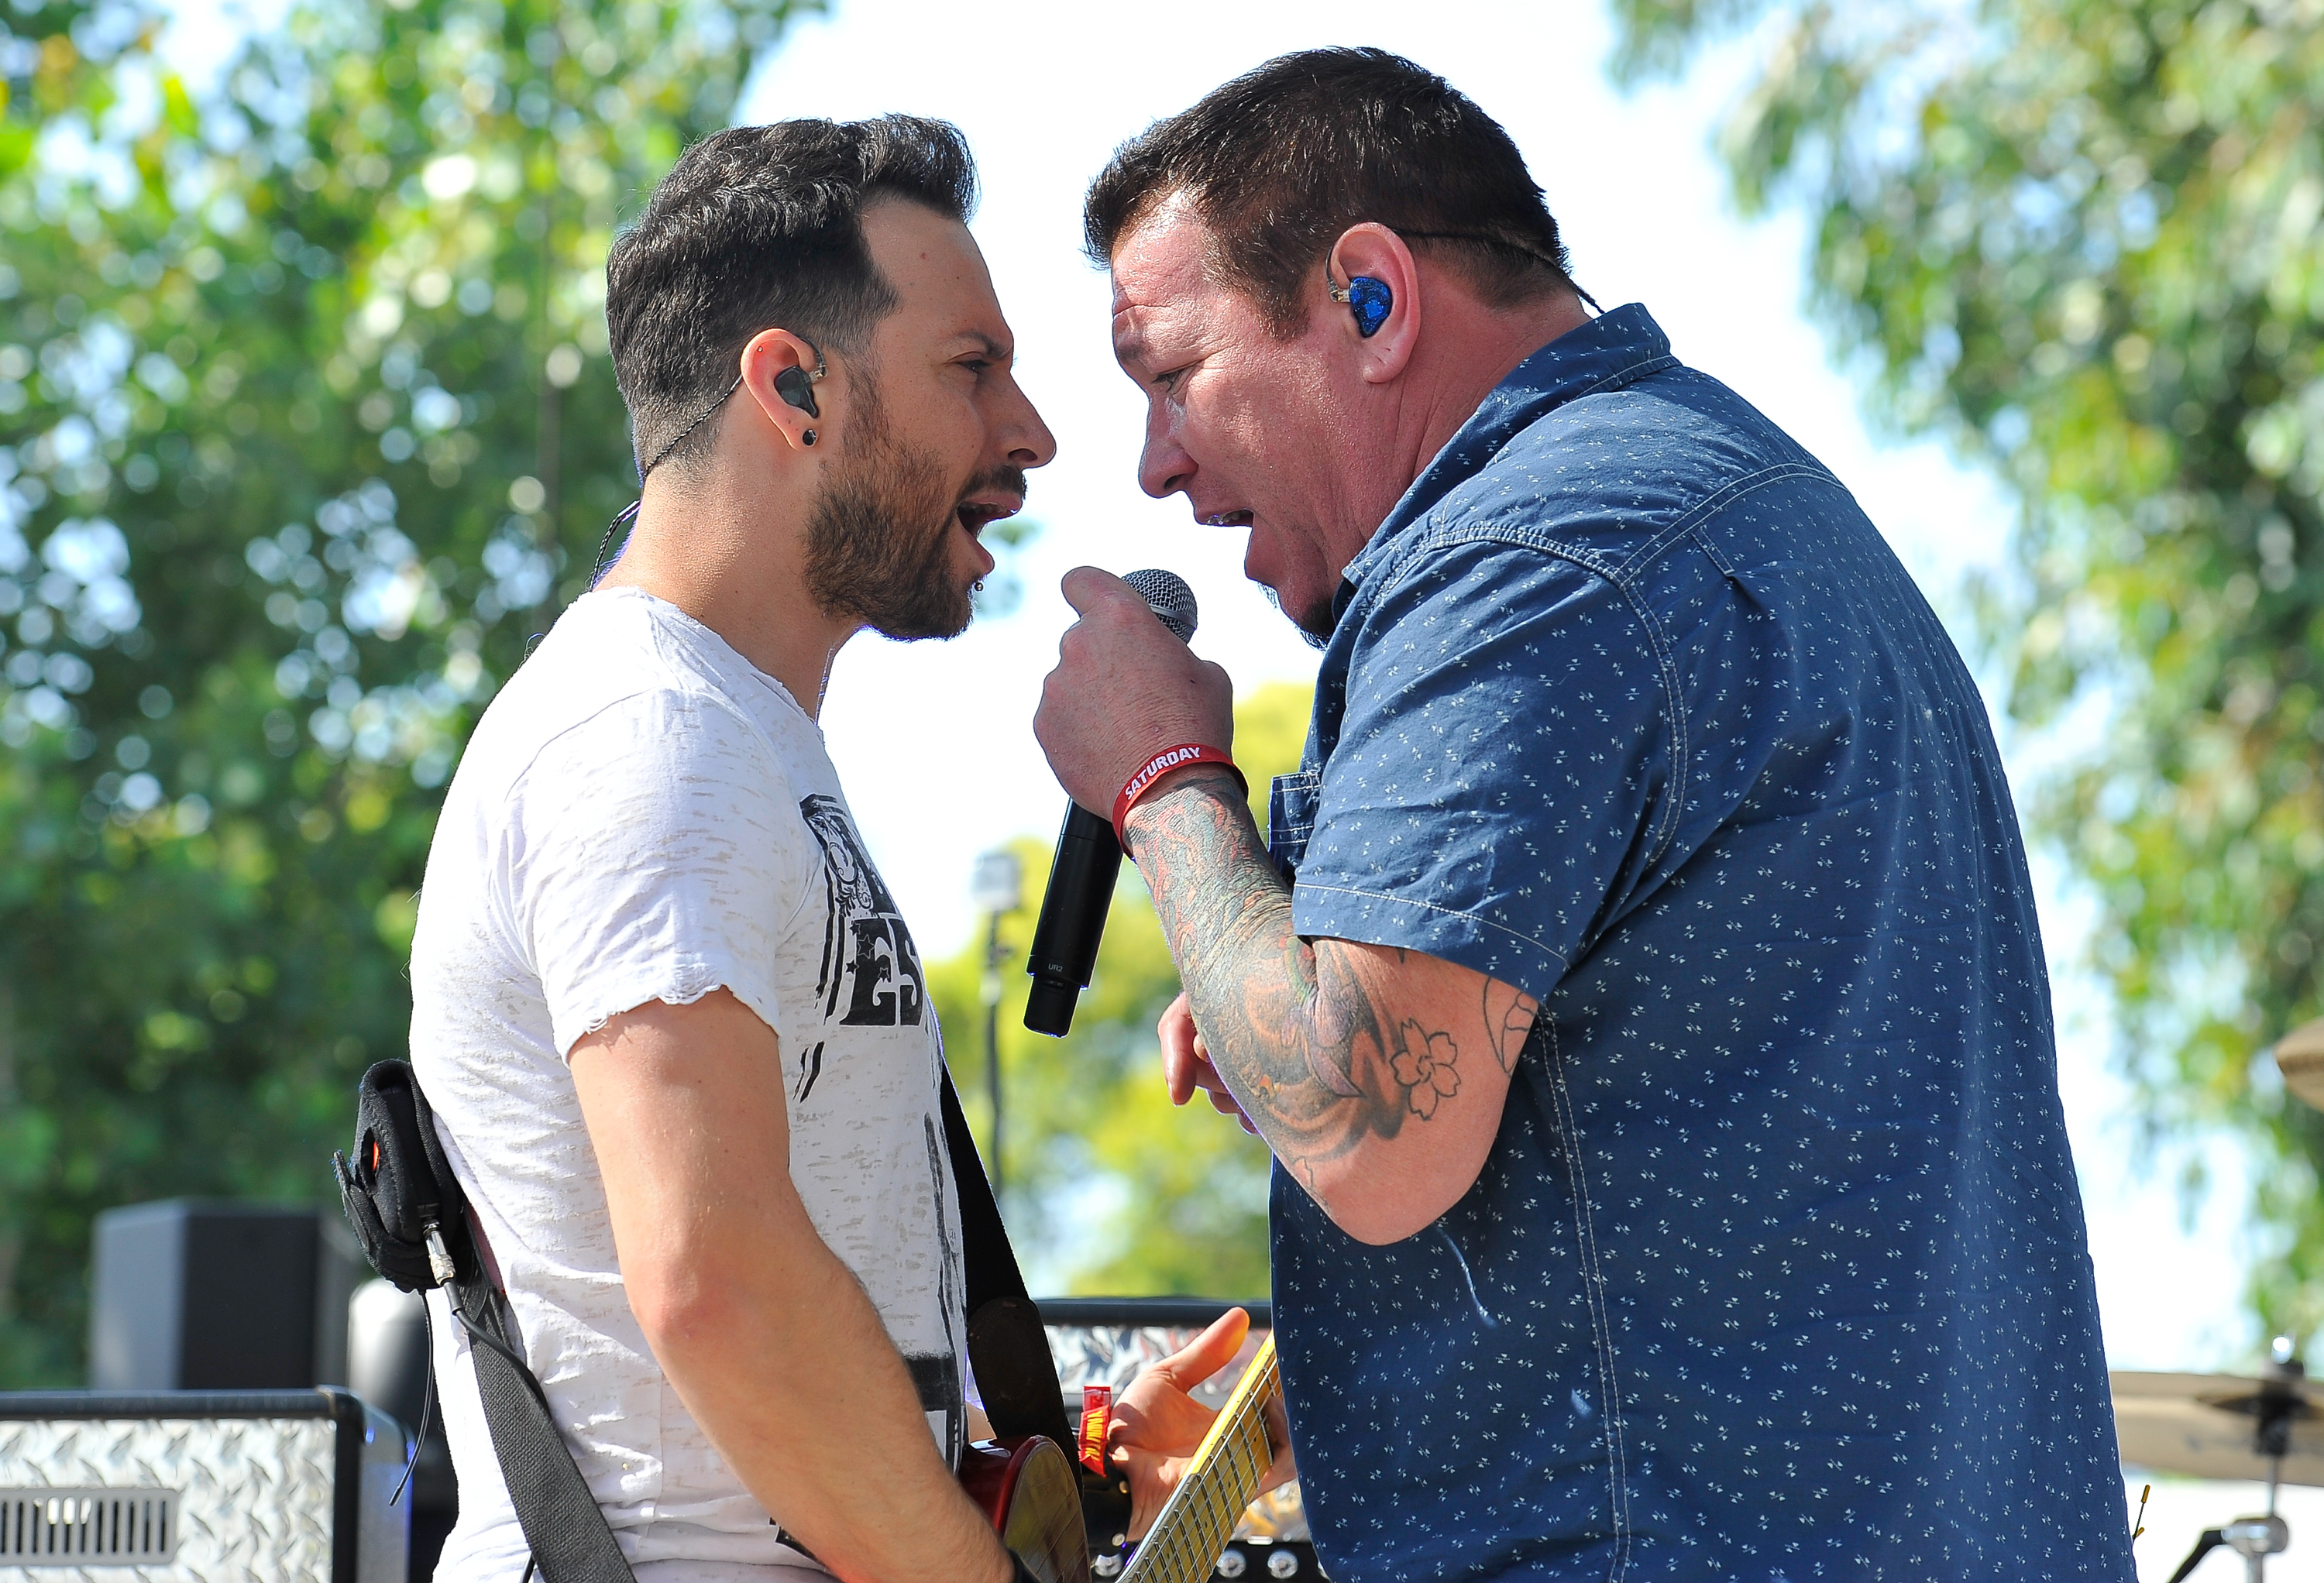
427 1404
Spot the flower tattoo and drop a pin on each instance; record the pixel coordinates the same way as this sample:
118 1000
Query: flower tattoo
1423 1063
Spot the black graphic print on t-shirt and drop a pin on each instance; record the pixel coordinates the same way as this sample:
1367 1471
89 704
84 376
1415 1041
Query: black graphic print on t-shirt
865 941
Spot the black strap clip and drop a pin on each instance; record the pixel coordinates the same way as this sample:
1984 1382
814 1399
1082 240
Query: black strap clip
399 1192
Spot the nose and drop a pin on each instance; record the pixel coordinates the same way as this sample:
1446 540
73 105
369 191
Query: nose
1164 468
1026 438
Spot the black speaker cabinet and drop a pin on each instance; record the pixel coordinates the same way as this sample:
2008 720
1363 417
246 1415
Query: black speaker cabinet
202 1486
206 1294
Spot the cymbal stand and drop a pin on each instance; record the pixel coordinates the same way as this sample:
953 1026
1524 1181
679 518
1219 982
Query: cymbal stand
2273 1411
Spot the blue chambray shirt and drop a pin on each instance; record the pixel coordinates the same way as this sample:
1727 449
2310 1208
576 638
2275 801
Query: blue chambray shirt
1776 1268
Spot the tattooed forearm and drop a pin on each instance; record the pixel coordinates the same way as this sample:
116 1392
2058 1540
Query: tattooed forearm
1318 1062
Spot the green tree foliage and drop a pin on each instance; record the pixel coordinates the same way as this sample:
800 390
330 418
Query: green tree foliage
2081 238
1128 1196
305 427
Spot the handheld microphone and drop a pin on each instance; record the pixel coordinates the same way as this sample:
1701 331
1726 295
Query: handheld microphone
1088 860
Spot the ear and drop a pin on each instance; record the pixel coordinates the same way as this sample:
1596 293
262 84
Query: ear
1371 250
771 354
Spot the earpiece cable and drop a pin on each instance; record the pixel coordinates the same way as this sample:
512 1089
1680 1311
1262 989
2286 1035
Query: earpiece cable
629 513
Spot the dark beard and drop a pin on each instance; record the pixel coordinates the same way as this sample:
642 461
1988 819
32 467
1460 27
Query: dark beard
870 553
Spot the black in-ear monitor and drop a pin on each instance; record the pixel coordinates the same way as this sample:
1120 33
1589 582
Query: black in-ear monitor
796 385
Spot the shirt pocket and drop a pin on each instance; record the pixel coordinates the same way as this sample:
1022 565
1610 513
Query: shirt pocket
1291 819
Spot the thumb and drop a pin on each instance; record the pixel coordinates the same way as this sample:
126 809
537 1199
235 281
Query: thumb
1083 587
1207 1353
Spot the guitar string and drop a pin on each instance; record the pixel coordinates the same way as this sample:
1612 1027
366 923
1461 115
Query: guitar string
1210 1525
1218 1523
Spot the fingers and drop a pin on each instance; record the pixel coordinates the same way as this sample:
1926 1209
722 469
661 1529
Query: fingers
1181 1047
1284 1468
1188 1069
1151 1481
1207 1353
1280 1472
1186 1063
1158 1423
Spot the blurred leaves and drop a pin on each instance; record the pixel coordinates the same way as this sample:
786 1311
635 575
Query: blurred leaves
2082 238
306 428
1121 1193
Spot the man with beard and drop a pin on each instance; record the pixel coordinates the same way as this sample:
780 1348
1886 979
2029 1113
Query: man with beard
676 1035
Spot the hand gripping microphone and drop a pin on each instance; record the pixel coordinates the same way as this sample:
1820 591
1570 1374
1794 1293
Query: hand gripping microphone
1081 878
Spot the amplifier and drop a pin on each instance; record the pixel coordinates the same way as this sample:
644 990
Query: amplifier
202 1486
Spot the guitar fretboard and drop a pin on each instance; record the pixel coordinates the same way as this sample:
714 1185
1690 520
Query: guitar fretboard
1201 1514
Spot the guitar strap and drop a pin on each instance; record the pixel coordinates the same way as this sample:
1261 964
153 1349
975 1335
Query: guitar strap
416 1229
400 1192
570 1539
1008 1349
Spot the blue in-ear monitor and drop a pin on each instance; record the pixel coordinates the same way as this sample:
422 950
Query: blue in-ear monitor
1369 299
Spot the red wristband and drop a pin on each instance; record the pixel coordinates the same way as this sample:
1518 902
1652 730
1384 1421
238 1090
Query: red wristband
1160 765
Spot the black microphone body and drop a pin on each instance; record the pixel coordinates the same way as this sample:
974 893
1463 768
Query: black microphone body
1088 862
1072 920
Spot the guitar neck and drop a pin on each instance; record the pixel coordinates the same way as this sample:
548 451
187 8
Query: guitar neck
1220 1484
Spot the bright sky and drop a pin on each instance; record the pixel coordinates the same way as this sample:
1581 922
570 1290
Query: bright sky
935 744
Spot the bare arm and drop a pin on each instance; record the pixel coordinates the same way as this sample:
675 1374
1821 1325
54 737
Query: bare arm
767 1338
1377 1075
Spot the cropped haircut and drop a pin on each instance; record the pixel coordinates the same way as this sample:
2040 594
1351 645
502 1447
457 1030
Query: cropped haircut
1282 160
757 227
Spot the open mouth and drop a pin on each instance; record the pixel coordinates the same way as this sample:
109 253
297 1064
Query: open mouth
976 516
1228 520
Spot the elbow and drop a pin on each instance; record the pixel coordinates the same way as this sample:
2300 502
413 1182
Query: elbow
1379 1208
1379 1225
681 1306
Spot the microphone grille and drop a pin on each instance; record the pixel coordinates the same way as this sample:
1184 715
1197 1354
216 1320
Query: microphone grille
1172 601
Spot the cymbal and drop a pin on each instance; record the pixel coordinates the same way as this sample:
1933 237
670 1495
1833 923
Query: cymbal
2300 1056
2201 1424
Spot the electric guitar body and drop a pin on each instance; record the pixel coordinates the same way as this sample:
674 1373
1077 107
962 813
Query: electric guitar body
1027 1488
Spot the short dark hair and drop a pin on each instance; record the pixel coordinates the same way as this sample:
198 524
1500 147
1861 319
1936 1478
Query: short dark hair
1281 161
759 226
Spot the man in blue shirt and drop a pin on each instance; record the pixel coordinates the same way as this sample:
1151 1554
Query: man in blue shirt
1639 986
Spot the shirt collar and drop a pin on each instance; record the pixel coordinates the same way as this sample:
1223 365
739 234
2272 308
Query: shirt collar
1612 350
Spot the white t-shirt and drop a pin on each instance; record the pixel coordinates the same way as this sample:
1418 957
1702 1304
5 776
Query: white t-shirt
642 815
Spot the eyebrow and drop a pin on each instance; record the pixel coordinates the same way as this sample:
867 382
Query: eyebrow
1000 352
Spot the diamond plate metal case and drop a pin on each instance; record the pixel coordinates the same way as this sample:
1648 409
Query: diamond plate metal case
259 1487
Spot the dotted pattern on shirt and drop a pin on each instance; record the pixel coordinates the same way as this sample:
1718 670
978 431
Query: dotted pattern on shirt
1777 1267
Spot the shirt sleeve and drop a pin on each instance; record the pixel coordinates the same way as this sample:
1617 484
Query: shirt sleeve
653 854
1500 777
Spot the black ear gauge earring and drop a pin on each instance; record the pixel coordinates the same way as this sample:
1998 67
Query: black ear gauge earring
807 437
